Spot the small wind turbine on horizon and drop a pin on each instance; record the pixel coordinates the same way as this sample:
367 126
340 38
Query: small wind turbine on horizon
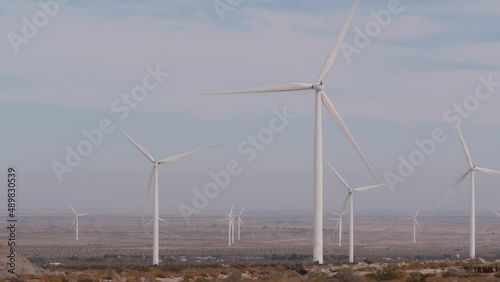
415 224
153 184
149 222
471 170
350 200
230 219
75 220
339 225
320 98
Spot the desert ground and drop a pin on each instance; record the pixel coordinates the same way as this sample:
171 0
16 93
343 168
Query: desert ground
124 239
275 242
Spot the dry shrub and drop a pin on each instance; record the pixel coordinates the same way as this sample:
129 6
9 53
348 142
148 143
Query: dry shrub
345 275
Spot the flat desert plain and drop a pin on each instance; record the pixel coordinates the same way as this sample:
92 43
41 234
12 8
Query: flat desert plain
124 240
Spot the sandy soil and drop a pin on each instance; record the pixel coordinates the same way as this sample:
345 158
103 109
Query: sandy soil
122 240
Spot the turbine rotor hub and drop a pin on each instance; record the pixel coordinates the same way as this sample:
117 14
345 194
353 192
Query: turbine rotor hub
318 86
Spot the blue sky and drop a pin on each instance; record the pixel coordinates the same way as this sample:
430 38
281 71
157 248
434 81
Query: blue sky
395 91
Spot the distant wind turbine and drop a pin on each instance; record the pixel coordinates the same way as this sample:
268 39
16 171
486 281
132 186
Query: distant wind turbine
153 184
75 220
149 222
415 224
350 200
230 220
339 225
320 98
240 222
471 170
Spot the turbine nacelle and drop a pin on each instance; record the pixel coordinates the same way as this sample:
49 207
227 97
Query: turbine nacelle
318 86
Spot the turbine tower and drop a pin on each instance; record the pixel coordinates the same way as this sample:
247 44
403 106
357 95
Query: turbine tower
415 224
75 220
471 170
153 184
350 200
339 225
320 98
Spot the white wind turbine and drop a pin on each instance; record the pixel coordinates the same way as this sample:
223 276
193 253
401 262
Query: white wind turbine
75 220
149 222
471 170
415 224
230 220
153 182
240 221
320 97
339 225
350 200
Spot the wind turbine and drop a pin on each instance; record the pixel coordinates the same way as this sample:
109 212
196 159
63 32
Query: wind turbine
153 182
339 225
471 170
350 200
149 222
320 98
76 220
415 224
240 222
230 220
498 214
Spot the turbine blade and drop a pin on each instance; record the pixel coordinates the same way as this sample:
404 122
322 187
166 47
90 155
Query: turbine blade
241 221
149 222
74 220
266 89
241 212
417 211
345 212
335 213
339 176
148 194
184 155
488 171
464 146
452 188
137 145
224 219
82 214
367 188
496 212
416 221
72 209
231 211
338 43
336 226
340 123
346 202
161 219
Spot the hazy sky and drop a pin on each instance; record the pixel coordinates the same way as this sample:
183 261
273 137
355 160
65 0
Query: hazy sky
72 69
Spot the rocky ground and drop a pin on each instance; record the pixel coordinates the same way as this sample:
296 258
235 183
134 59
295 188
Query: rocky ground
22 264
